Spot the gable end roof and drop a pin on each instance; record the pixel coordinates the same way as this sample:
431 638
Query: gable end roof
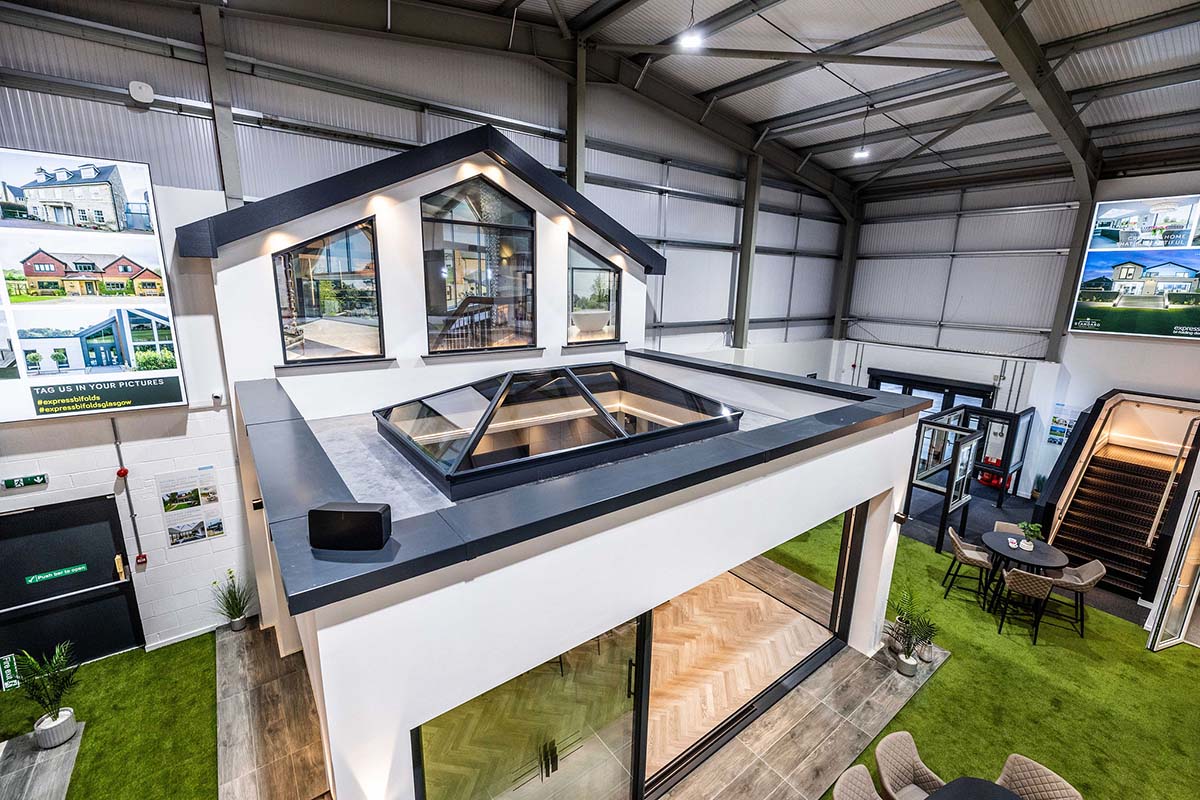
203 238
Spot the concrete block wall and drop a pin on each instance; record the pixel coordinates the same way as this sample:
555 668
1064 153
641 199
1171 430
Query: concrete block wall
79 454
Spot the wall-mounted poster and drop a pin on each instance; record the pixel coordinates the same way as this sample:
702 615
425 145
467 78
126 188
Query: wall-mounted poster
85 315
191 505
1141 272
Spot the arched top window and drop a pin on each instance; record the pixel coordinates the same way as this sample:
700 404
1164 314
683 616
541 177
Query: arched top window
479 268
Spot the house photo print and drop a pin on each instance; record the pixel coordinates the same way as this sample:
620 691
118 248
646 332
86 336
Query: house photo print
85 297
1141 274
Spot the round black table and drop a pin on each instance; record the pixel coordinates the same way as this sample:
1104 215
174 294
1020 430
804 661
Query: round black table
972 789
1041 558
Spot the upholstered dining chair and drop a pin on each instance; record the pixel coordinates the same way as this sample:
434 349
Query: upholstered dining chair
1035 588
1011 528
1079 581
972 556
1029 780
855 784
901 771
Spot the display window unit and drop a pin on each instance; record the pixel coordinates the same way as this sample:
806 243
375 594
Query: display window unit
328 292
479 269
594 293
945 393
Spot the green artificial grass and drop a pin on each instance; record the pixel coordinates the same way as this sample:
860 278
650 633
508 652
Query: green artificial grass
1113 718
151 724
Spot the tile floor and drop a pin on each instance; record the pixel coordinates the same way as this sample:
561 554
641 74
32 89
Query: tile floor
27 773
268 736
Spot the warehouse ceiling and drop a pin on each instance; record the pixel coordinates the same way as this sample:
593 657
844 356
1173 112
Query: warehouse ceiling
1127 73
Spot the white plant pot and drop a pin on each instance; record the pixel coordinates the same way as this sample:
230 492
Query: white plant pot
51 733
906 665
1026 545
238 624
591 320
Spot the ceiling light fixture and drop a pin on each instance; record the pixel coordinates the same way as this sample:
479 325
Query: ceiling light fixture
862 151
691 38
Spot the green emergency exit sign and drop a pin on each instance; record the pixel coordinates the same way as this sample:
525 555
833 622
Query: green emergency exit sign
62 572
26 480
9 679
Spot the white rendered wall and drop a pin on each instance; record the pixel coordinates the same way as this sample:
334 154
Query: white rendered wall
250 317
397 657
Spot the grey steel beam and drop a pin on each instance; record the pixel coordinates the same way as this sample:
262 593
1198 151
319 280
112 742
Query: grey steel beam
956 154
746 248
506 8
843 284
601 14
1014 45
577 120
1021 170
222 104
799 56
1065 303
559 19
910 26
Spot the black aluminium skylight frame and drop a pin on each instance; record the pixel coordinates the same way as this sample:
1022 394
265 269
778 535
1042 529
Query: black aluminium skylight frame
459 484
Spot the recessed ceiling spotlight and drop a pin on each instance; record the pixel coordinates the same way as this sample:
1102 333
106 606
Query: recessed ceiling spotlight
862 153
691 40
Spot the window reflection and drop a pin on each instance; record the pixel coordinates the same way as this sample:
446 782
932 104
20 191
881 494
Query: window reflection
594 285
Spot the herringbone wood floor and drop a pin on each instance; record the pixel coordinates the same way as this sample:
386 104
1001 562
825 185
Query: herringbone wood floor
715 648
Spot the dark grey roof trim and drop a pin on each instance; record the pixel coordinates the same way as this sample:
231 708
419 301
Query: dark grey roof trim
295 475
203 238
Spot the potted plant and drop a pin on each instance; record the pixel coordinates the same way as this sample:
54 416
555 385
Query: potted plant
232 598
46 683
1039 483
903 607
1032 531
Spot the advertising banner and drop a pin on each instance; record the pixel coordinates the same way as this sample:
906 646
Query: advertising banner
85 315
1141 272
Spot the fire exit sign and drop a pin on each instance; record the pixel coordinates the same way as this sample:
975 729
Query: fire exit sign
9 679
26 480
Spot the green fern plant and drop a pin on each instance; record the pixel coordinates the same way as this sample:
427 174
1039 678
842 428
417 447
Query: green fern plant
232 596
47 681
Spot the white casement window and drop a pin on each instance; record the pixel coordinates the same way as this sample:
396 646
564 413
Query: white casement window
83 217
98 215
125 268
43 268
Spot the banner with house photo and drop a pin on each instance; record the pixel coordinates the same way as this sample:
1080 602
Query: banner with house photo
191 506
1141 272
85 315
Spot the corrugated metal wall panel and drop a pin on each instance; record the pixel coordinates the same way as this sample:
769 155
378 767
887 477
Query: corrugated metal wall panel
274 161
779 197
1169 49
689 341
1139 105
1057 20
714 185
819 236
310 105
1035 231
925 204
175 22
999 343
617 117
706 222
67 57
547 151
618 166
638 211
776 230
927 236
493 84
817 205
181 151
1020 195
1017 291
812 287
899 288
770 333
892 333
771 286
696 286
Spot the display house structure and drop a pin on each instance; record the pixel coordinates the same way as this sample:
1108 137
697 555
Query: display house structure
405 334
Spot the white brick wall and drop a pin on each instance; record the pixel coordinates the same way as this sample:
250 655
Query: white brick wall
174 588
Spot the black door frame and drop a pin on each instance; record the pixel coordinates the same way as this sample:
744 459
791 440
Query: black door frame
950 388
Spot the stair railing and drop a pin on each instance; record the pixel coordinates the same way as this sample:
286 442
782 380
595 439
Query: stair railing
1069 496
1162 503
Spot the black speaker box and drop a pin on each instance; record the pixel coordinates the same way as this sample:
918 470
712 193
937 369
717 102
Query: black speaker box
350 526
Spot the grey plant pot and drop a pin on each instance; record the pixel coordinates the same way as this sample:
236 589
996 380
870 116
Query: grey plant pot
52 734
238 624
906 666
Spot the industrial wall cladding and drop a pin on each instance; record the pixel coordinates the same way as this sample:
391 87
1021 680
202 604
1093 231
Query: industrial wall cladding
85 316
1141 275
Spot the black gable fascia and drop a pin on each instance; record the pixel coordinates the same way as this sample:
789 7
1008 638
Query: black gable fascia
203 238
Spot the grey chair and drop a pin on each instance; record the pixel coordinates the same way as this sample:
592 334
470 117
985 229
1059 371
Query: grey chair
1011 528
972 556
855 784
1035 588
1029 780
1079 581
901 771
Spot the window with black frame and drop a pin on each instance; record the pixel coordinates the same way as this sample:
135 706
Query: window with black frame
594 289
328 291
479 268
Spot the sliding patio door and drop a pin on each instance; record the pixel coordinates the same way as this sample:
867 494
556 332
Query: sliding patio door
563 729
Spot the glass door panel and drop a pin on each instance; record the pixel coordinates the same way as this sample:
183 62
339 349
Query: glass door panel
563 729
1184 587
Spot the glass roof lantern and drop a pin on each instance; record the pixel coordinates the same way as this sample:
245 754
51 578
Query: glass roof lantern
523 426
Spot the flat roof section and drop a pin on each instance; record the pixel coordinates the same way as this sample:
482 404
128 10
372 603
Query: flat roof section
304 464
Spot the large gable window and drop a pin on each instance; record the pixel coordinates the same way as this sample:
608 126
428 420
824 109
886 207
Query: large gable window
479 268
594 288
328 291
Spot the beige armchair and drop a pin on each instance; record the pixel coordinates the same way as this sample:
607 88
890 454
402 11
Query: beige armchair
1026 584
855 784
1079 581
972 556
1029 780
903 775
